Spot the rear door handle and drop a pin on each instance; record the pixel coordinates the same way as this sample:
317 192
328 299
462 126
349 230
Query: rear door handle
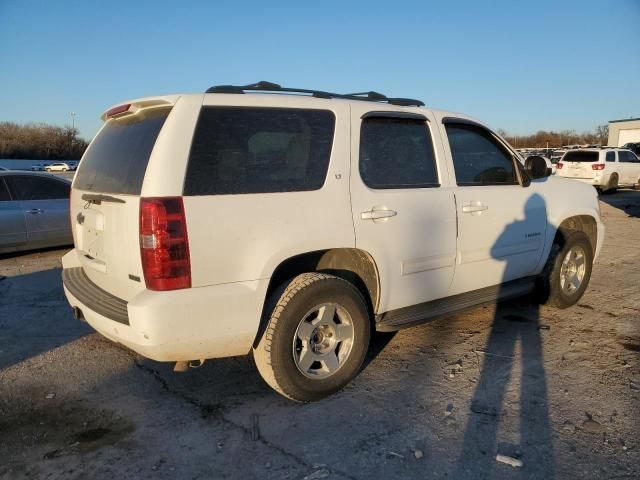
35 211
474 207
377 214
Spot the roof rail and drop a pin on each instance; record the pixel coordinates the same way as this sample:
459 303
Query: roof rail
274 87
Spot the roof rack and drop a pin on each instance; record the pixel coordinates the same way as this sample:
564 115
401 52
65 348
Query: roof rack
274 87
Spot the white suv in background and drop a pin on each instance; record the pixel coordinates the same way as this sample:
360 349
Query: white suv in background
58 167
605 169
291 226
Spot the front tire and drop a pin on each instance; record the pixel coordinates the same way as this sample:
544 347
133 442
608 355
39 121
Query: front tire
566 275
316 338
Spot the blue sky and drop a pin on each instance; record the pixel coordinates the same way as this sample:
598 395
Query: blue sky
521 66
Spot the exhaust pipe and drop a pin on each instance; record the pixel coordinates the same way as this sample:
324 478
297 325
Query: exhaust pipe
77 314
182 366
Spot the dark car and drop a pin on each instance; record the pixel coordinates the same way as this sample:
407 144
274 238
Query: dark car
634 147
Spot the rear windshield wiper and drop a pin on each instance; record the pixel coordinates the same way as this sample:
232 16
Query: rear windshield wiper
98 198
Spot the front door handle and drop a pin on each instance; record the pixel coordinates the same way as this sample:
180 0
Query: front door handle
474 207
35 211
377 214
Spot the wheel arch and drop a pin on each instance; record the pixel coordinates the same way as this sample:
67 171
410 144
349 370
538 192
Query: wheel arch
583 223
351 264
559 224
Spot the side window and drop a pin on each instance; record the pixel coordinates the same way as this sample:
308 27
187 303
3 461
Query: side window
397 153
478 158
628 157
238 150
611 157
4 193
26 187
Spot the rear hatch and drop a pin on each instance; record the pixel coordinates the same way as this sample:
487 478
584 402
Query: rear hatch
105 199
578 164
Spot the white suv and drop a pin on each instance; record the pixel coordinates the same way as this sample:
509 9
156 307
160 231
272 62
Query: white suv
293 223
58 167
605 169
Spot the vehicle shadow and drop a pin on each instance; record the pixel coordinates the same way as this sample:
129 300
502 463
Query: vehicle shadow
34 316
500 421
626 200
377 344
24 253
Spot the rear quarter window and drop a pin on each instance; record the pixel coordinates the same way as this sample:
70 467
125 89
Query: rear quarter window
117 159
239 150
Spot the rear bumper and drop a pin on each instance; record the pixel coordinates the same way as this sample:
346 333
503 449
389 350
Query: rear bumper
596 182
93 297
189 324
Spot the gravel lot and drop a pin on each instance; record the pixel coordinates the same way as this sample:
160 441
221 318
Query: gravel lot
557 390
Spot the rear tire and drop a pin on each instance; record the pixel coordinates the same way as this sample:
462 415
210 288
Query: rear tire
316 338
567 272
612 184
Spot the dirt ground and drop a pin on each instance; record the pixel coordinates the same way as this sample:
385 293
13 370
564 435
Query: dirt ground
556 390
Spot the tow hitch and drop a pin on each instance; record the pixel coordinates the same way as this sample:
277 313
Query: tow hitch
77 314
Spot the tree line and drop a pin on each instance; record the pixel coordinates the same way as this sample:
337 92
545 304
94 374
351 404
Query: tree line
542 138
40 141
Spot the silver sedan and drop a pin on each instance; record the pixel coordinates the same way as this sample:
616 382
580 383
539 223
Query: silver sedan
34 211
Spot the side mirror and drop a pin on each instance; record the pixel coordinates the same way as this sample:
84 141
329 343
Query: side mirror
537 167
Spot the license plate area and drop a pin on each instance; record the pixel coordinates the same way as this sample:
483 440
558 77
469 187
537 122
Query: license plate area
90 228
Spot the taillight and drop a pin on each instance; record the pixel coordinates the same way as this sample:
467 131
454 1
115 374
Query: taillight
164 246
559 165
597 166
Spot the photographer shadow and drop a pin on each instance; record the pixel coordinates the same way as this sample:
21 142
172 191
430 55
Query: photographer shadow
528 437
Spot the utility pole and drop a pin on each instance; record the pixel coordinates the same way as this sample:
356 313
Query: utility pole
73 131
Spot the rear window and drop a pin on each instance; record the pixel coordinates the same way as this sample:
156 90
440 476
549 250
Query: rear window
117 159
581 156
239 150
